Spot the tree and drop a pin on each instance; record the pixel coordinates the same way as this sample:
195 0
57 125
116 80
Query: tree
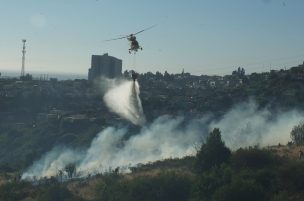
70 169
126 74
212 153
60 175
26 77
297 133
158 75
240 72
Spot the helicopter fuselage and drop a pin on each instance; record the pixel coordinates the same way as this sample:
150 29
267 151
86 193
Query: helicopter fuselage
134 45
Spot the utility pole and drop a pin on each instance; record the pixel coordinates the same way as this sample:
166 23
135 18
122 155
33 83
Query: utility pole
23 58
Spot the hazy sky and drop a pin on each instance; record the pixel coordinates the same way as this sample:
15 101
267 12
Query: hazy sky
201 36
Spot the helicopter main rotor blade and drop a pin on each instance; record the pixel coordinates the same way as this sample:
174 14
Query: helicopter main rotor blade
126 36
118 38
145 29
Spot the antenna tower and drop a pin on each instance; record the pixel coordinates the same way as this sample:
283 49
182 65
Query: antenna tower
23 58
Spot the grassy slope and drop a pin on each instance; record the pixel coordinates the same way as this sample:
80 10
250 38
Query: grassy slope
86 188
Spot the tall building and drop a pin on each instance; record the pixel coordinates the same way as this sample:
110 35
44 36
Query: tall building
104 66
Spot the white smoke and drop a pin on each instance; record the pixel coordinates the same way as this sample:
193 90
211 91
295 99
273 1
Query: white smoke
171 137
123 99
162 139
52 162
246 125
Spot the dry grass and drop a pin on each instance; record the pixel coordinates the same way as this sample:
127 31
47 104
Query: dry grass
157 171
3 179
288 151
84 188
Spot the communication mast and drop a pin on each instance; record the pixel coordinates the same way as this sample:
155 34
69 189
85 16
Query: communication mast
23 58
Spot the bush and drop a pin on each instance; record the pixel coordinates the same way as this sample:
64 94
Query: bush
253 158
56 192
14 191
239 190
210 181
291 176
163 187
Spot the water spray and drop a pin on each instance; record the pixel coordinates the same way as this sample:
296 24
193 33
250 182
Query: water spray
123 99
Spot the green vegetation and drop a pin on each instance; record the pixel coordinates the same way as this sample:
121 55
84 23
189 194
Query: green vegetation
55 192
249 174
165 186
14 191
214 174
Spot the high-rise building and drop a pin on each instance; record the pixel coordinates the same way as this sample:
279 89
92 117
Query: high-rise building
105 66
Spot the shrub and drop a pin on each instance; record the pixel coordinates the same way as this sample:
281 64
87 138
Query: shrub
56 192
162 187
253 158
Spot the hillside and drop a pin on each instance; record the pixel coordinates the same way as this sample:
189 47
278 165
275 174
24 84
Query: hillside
71 113
53 132
177 179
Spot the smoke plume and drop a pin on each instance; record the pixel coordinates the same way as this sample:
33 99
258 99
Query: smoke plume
123 99
52 162
246 125
171 137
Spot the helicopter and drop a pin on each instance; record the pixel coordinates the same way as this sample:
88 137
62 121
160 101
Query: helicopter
134 45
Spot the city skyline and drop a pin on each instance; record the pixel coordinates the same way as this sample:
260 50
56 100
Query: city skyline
202 37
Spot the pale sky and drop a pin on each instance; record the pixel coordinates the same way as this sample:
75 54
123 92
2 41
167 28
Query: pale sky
202 36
